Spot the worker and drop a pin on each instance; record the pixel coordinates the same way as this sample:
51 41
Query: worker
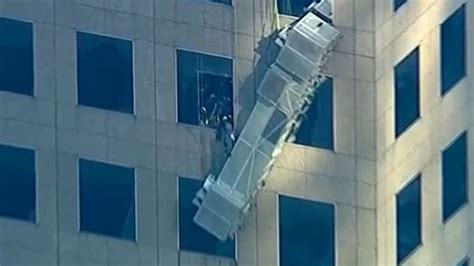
225 133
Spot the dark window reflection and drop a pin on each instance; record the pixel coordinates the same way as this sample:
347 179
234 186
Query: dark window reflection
454 176
16 56
464 262
293 7
317 128
104 72
408 219
407 80
107 199
205 90
225 2
306 231
453 49
17 183
397 4
191 236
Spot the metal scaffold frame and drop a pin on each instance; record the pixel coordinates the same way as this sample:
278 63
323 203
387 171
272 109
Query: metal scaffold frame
285 94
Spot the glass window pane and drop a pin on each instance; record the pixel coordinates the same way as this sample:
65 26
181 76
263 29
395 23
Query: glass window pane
16 53
105 72
453 49
191 236
397 4
225 2
454 176
317 128
464 262
408 219
205 89
407 109
107 199
293 7
306 231
17 183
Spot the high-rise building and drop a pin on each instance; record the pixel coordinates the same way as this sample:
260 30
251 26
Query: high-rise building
106 134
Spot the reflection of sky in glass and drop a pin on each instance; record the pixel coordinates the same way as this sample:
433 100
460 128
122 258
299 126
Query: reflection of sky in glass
107 199
454 174
307 233
17 183
105 72
16 56
407 82
408 219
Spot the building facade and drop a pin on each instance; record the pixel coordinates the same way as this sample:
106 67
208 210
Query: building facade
106 134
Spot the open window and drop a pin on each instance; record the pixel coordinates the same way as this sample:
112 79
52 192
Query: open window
205 89
293 7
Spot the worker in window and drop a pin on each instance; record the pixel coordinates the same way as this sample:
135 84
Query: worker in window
225 133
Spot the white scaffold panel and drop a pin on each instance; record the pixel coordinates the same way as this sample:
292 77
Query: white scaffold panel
284 94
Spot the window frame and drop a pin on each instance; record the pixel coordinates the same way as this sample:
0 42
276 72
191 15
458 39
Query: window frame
403 132
176 88
134 74
445 221
333 119
34 91
78 199
36 220
178 234
317 200
407 183
445 91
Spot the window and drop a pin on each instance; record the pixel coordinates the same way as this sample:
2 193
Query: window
204 88
407 108
464 262
454 176
225 2
17 183
293 7
16 53
107 199
191 236
408 219
453 49
317 127
398 3
307 234
104 72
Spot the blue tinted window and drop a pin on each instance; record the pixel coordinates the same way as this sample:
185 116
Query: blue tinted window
107 199
408 219
293 7
397 4
407 108
453 49
204 88
454 176
191 236
306 232
17 183
225 2
317 127
104 72
16 56
464 262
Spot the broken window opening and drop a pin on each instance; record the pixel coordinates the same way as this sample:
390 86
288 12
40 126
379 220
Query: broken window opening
205 90
294 8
